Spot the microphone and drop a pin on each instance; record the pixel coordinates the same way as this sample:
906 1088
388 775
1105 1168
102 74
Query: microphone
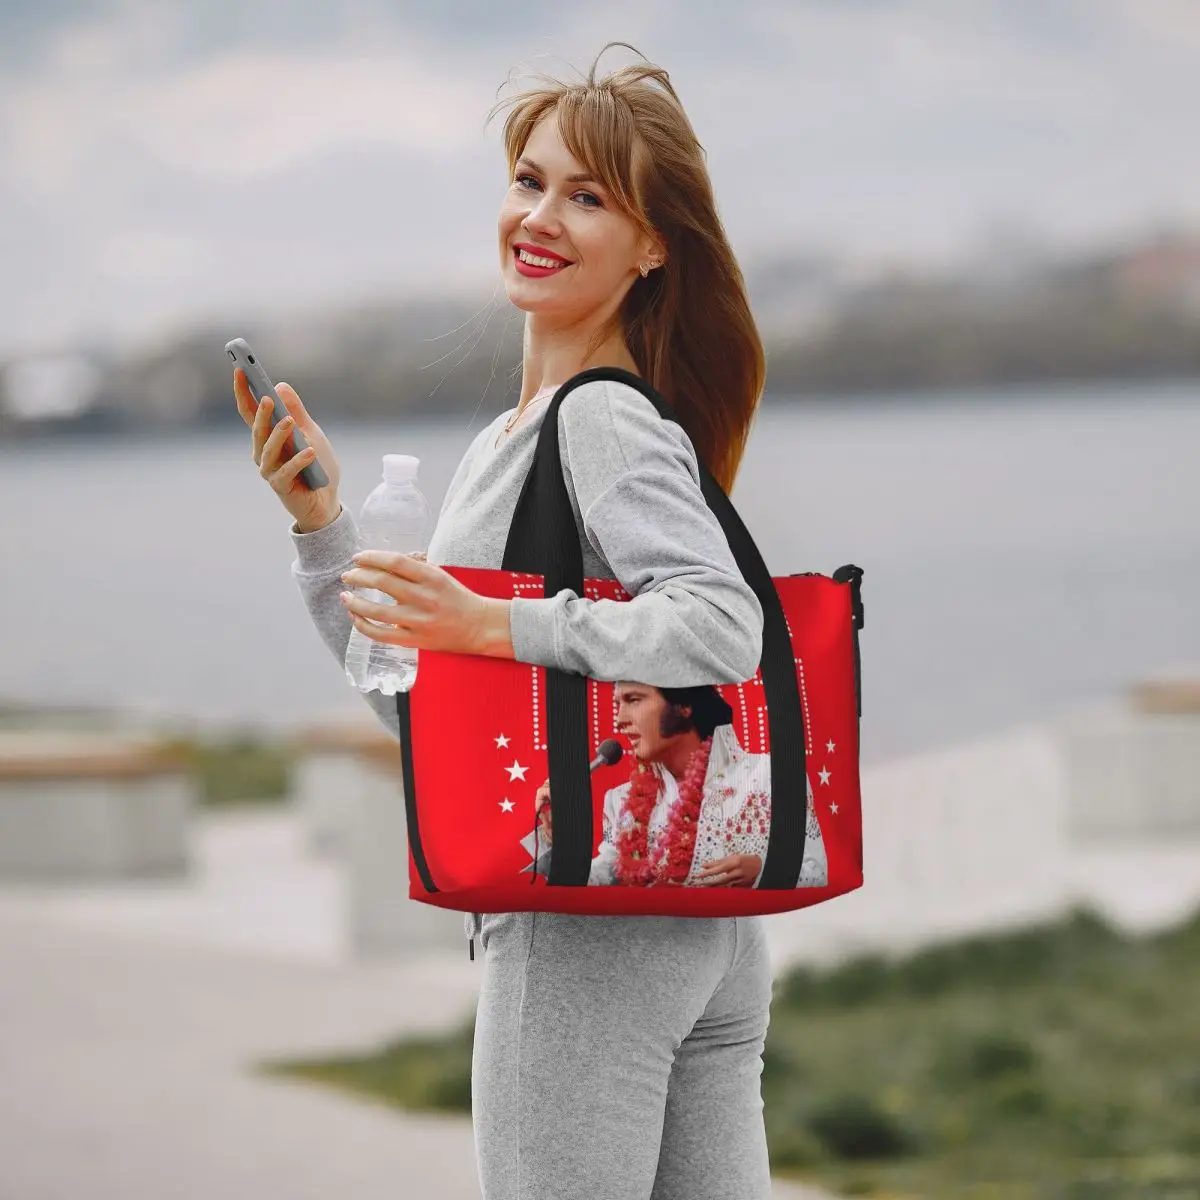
608 753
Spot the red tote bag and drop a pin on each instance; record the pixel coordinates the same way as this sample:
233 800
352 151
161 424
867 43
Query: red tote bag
480 735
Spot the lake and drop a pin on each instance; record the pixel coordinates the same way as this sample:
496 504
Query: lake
1022 550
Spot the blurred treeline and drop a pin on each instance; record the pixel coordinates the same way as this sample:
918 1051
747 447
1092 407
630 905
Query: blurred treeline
1130 312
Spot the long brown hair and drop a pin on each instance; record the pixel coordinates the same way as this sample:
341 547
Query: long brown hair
687 324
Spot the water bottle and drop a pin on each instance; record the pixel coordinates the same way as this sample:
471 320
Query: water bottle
394 517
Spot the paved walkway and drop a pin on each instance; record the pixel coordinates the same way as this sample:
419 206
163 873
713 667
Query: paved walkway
126 1073
126 1053
131 1016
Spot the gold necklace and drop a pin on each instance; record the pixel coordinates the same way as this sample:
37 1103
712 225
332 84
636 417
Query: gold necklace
519 412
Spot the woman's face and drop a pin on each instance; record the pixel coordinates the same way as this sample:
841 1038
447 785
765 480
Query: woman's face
640 712
588 250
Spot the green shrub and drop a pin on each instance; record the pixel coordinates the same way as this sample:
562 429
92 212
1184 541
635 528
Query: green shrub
1076 947
451 1090
414 1073
793 1144
1018 1098
856 981
975 1058
1095 1127
238 770
1013 958
853 1127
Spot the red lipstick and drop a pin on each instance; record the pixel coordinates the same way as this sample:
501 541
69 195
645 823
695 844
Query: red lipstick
530 269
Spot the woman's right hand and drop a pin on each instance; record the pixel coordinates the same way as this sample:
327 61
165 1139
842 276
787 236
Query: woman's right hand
311 510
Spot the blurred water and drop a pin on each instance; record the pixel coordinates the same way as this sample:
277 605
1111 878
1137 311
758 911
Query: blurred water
1022 550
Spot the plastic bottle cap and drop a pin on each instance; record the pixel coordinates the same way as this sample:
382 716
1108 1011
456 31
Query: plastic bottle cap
400 468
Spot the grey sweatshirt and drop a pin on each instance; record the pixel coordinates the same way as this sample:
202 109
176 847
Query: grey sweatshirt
634 485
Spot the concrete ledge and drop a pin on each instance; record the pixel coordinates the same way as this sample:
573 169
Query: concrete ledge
27 755
81 807
350 791
1098 808
328 766
954 840
1174 696
1133 768
381 918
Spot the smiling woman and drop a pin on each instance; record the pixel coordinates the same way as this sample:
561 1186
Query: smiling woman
608 183
610 244
568 251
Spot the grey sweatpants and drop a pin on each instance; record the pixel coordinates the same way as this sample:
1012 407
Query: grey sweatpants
620 1058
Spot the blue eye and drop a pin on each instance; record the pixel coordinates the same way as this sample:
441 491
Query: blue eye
529 182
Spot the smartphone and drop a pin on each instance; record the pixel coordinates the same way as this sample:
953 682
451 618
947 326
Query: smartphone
260 385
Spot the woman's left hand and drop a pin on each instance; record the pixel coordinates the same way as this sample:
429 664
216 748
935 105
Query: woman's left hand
432 610
738 870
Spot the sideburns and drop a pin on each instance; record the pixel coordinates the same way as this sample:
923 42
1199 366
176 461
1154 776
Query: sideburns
672 722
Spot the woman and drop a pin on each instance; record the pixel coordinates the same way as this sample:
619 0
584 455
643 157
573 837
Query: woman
696 810
614 1057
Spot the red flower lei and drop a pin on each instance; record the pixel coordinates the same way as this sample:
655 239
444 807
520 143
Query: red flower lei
671 859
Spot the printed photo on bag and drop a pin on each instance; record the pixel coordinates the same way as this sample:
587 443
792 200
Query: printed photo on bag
694 807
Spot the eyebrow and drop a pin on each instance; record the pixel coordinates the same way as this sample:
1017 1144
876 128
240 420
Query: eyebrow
584 177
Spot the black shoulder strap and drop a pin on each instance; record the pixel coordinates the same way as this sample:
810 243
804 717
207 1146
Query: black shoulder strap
543 539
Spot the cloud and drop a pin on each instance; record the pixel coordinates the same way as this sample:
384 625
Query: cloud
254 114
151 257
243 113
343 144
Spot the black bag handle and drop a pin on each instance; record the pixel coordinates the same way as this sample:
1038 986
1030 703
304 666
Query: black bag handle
543 540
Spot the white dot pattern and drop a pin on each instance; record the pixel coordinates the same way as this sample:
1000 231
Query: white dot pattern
537 590
808 732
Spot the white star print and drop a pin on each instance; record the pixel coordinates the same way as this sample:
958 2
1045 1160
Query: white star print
516 771
830 747
501 741
824 773
506 805
833 809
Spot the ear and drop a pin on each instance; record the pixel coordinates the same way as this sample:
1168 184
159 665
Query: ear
651 248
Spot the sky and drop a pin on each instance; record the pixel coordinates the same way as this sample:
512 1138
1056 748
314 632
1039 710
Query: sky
164 163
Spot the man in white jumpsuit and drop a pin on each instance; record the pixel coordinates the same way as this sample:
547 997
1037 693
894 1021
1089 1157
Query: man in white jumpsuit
665 726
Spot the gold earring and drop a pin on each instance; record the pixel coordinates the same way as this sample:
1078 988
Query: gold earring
645 270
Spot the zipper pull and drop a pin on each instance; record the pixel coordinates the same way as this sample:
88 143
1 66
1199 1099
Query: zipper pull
471 948
853 576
